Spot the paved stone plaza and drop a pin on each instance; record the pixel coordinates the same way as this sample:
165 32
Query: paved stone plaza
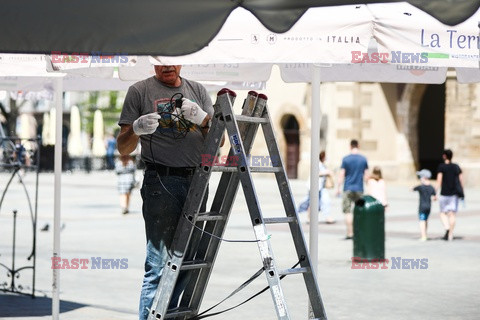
93 226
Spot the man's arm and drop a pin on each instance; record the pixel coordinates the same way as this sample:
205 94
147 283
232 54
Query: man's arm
127 140
193 113
439 182
223 141
366 175
205 129
204 126
341 177
205 121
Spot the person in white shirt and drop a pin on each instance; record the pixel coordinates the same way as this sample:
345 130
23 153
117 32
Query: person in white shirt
376 186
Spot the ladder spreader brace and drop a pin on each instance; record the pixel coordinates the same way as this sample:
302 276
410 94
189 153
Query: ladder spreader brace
241 131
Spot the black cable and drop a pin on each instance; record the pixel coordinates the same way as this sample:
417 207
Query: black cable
202 315
172 119
178 101
223 239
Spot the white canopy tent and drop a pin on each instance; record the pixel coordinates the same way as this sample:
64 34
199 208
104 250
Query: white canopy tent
341 36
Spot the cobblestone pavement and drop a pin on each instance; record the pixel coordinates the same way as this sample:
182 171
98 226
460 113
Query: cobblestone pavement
94 227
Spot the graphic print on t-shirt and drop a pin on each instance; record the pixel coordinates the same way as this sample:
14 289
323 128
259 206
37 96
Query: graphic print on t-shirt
172 123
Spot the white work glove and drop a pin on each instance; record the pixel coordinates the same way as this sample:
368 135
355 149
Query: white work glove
146 124
192 112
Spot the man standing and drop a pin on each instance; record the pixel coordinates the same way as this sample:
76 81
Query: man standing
450 182
170 152
353 172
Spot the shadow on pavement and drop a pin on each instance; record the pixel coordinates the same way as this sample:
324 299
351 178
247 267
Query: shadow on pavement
13 305
441 238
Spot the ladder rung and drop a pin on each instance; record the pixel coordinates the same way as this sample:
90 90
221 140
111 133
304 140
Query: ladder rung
224 169
210 216
195 264
242 118
252 169
179 312
293 271
279 220
266 169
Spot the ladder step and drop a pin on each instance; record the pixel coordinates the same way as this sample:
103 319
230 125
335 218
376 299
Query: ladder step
210 216
279 220
293 271
178 312
195 264
252 169
242 118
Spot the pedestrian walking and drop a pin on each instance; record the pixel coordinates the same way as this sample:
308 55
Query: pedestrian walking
324 200
353 171
426 194
450 182
21 159
125 169
376 186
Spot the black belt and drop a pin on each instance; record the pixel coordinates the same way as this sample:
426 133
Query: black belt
170 171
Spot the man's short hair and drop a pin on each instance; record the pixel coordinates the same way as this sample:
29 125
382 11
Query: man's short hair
448 154
354 143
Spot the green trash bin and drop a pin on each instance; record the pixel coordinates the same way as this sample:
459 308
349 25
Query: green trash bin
368 229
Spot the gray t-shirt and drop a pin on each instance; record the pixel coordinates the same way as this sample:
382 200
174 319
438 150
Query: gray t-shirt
169 144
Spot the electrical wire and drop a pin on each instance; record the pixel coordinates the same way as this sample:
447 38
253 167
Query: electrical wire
205 313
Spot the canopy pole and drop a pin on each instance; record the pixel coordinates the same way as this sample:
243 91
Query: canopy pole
58 85
314 170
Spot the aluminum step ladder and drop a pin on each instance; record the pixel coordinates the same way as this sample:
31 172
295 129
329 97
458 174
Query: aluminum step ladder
241 131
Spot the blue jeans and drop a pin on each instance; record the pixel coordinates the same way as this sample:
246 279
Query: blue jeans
163 202
306 202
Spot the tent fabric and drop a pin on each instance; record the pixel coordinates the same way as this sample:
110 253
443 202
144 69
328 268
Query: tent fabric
159 27
242 53
334 34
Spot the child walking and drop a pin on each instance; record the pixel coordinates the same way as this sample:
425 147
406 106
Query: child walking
427 192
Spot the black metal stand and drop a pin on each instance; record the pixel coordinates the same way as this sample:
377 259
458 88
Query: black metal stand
15 159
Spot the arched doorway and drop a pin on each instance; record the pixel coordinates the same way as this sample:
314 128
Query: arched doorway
292 137
431 128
